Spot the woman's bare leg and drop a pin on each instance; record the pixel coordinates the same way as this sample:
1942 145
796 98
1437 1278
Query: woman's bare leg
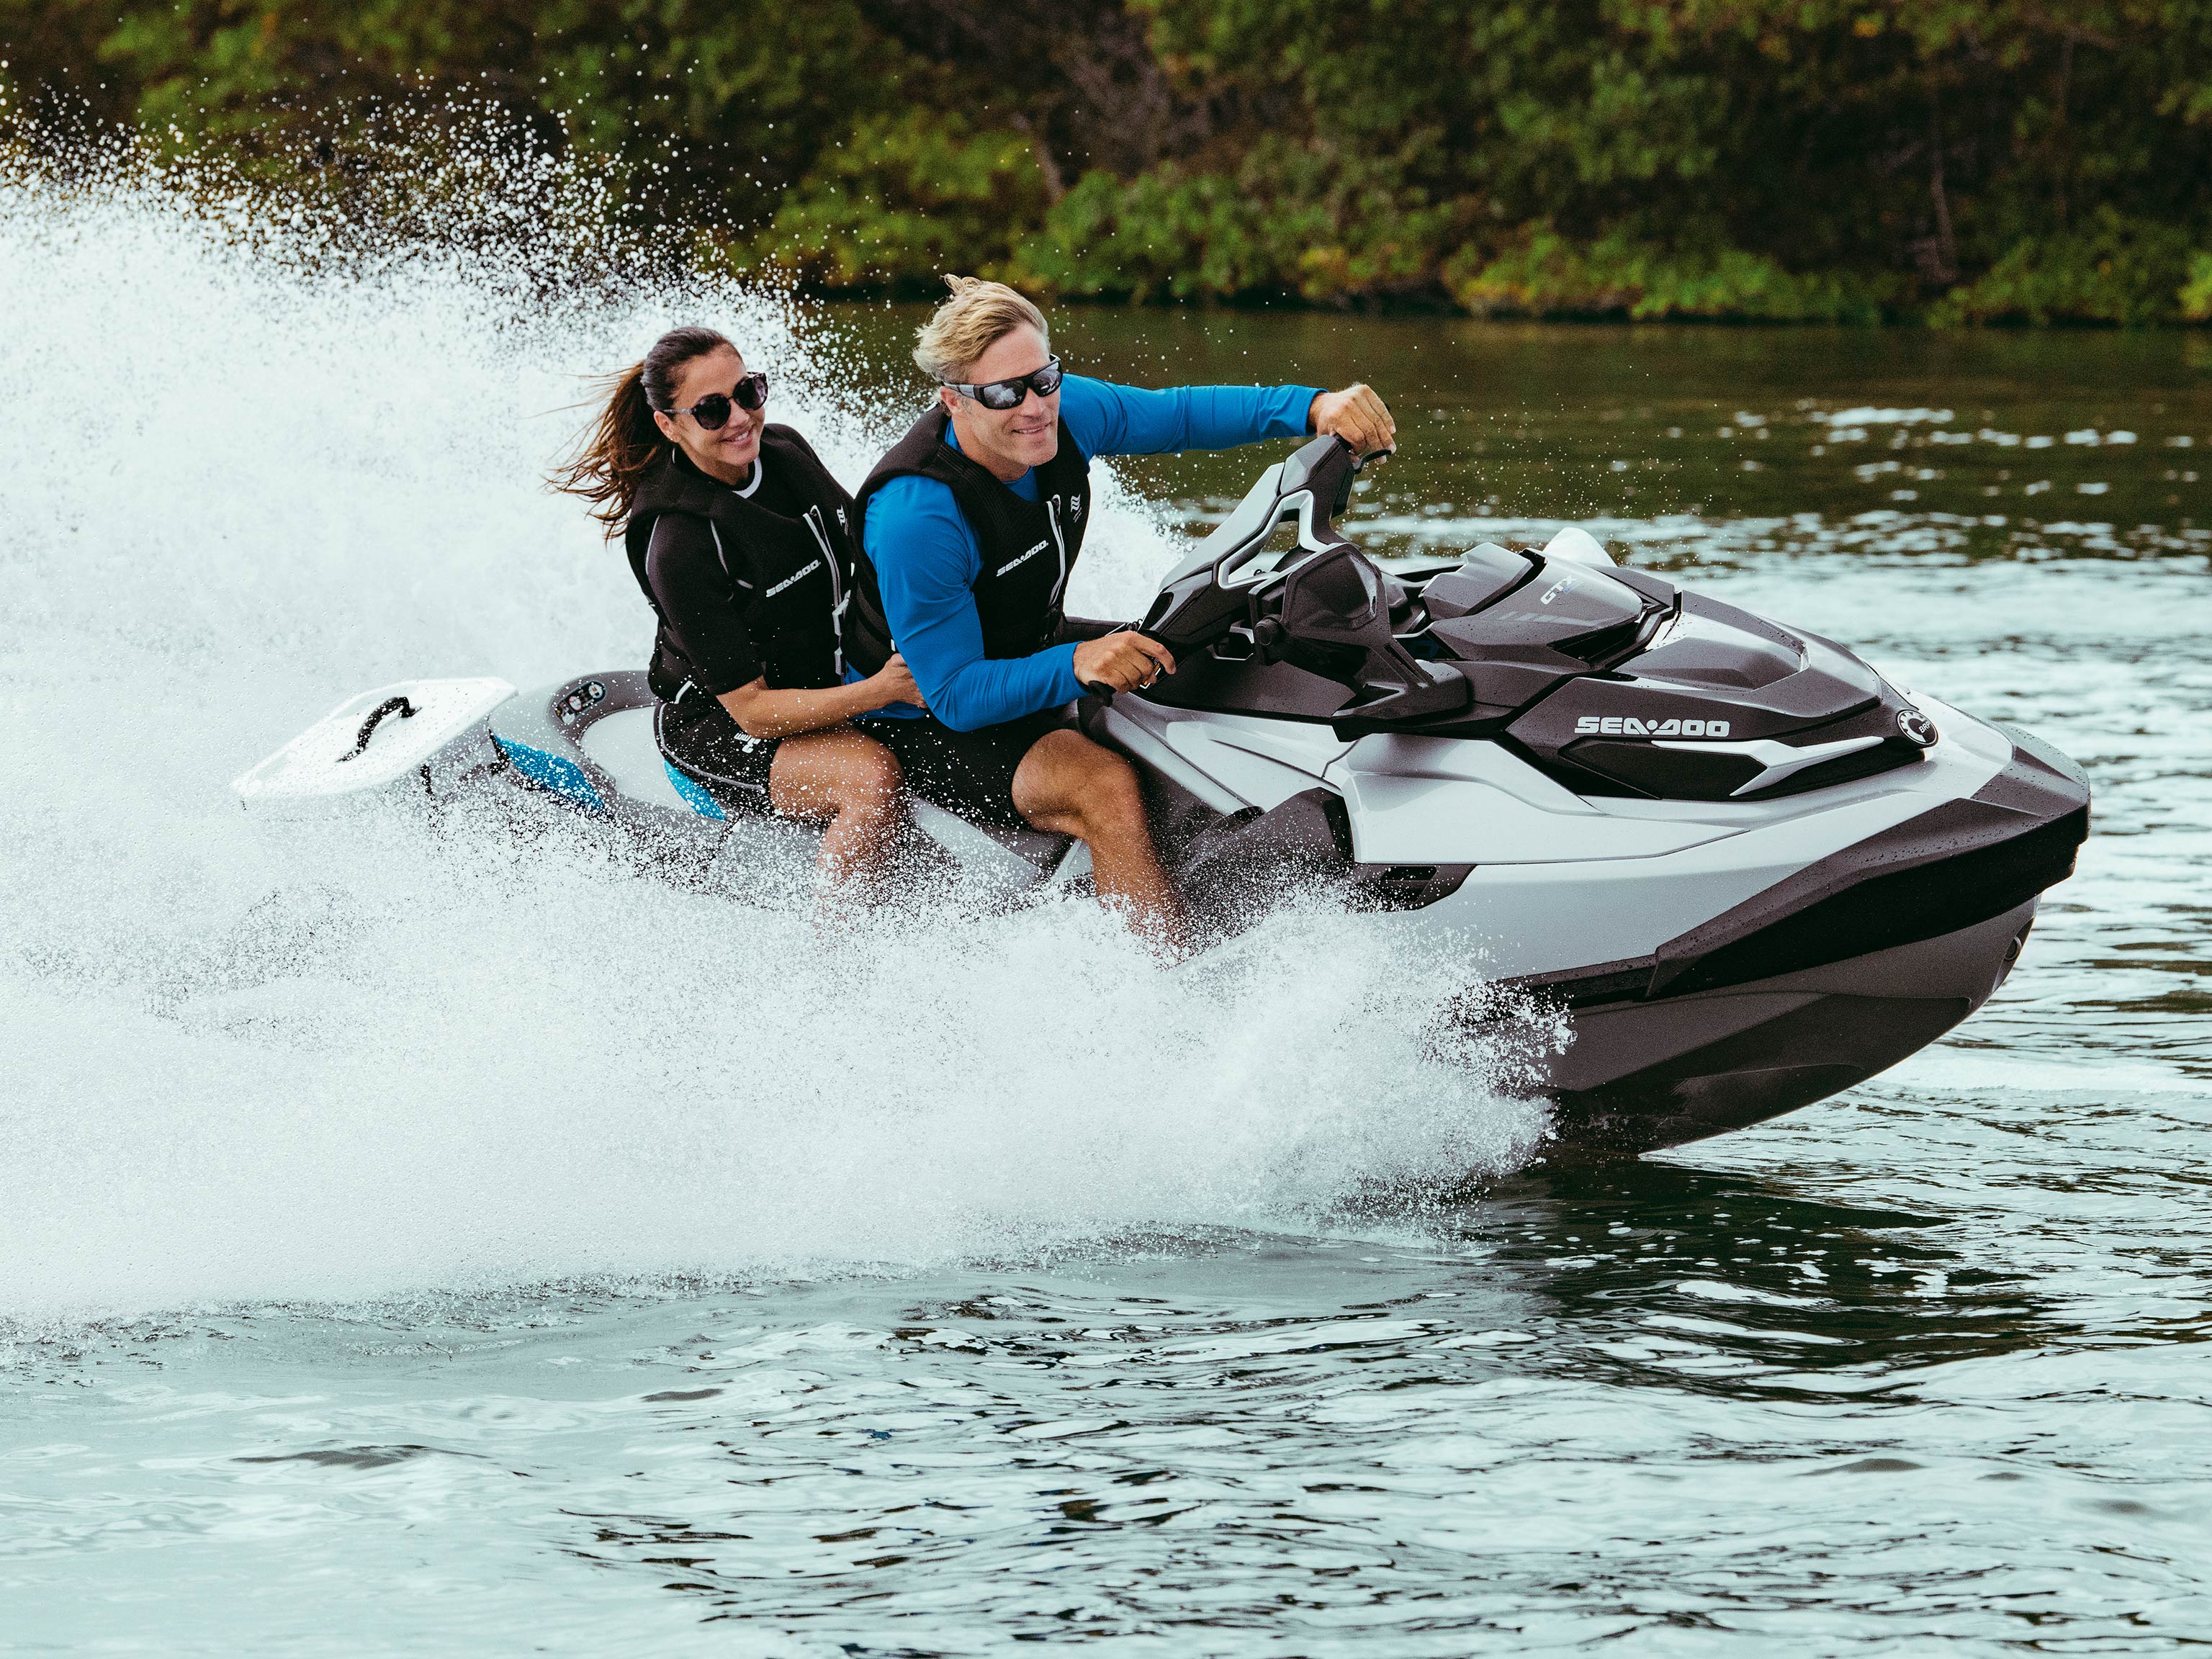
852 783
1073 787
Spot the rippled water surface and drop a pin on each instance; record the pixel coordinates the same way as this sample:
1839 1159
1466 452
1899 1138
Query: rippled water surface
415 1243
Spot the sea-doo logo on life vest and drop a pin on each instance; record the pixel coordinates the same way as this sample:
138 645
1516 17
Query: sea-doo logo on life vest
798 576
1627 726
1023 558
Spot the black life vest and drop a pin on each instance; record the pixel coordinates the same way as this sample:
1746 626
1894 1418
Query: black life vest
794 576
1029 547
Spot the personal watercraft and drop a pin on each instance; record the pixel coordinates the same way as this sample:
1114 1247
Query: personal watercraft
1751 871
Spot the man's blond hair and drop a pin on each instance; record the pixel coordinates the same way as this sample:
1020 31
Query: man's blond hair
977 317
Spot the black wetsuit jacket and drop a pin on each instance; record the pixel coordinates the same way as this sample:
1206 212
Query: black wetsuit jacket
745 584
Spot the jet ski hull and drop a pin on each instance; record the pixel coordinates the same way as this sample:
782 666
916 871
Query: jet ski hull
1826 979
1748 870
1642 1076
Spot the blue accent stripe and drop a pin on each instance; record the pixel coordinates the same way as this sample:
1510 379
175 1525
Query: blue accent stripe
555 772
695 793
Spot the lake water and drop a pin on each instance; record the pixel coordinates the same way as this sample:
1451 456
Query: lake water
450 1244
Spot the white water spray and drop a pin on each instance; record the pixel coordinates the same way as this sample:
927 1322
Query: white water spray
256 465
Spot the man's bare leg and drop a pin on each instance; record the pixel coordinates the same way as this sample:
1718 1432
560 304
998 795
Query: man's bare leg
1072 787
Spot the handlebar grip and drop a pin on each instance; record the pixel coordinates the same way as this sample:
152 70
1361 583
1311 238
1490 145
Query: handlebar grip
1099 690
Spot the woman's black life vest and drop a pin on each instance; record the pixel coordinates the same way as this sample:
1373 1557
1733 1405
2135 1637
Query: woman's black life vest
793 576
1029 547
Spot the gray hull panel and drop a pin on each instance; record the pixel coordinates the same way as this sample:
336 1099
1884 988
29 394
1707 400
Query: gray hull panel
1644 1075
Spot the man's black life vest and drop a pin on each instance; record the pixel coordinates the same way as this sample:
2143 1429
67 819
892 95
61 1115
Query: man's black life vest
1029 547
793 576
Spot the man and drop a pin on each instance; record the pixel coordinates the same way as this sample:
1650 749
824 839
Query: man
971 526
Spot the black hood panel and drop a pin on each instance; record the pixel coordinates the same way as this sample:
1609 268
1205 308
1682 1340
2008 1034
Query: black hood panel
1654 724
1614 682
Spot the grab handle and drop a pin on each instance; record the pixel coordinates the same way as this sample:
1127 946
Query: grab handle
398 706
1100 690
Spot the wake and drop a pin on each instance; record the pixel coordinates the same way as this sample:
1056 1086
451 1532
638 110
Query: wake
263 458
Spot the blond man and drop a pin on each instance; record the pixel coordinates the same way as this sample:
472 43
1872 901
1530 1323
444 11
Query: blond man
971 527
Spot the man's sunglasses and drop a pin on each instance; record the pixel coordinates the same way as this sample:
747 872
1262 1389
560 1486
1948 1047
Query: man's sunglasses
713 411
1003 395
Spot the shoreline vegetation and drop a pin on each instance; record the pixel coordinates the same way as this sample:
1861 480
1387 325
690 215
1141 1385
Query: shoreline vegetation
1945 162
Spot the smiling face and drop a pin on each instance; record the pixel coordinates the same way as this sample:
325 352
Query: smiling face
1009 442
728 453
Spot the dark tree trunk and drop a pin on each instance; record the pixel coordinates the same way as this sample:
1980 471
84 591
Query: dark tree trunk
1946 244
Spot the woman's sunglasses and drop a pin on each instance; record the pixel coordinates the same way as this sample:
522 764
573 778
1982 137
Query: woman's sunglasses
1003 395
713 411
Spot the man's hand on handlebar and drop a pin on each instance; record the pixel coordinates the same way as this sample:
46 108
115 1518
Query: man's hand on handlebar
1123 661
1355 415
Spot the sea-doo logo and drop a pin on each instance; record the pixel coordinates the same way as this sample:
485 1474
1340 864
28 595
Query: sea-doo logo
1917 726
1021 558
1627 726
799 575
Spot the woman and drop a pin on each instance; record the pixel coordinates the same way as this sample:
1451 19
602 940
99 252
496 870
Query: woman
742 544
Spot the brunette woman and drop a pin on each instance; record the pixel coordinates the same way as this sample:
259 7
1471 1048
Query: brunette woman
744 544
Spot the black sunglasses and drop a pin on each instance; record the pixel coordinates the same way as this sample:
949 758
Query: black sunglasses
1003 395
713 411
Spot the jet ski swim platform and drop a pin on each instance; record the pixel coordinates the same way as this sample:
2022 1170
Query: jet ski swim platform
1751 871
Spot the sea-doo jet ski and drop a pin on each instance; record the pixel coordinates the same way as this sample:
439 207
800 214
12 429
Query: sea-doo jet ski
1752 871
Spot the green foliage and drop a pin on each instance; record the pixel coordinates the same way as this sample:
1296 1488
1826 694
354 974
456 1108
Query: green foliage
906 199
1291 218
2114 271
2196 295
1968 160
1549 275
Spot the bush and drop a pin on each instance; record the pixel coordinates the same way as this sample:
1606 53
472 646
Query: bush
1546 275
1294 219
2195 295
2115 270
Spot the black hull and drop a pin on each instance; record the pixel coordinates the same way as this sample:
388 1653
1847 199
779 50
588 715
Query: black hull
1642 1076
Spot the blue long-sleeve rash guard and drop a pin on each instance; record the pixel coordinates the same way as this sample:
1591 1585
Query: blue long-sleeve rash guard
927 558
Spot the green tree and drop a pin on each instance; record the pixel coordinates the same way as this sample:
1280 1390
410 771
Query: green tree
1964 160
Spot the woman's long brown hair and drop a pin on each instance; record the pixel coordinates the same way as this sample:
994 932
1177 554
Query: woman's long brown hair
610 461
